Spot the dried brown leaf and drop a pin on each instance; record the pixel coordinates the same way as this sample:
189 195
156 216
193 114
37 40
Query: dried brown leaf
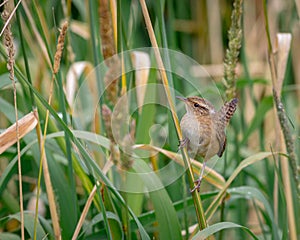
9 136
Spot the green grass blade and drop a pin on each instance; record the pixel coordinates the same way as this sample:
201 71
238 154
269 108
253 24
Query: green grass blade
166 217
29 225
210 230
248 161
254 193
9 236
99 218
4 80
89 161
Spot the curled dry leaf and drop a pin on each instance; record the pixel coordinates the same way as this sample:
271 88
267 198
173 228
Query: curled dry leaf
26 124
141 63
75 71
283 45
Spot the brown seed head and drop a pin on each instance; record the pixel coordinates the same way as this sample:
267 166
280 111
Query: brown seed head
60 47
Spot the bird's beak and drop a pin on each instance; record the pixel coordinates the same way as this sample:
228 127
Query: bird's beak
181 98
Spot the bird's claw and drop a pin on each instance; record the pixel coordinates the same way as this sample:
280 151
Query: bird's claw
197 186
182 143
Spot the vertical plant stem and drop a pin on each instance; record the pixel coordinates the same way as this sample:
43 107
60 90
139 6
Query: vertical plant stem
94 29
33 104
43 162
41 140
8 40
44 166
19 162
285 135
235 35
63 109
197 201
49 188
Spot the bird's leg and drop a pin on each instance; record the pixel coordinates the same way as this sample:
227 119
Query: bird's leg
183 143
199 180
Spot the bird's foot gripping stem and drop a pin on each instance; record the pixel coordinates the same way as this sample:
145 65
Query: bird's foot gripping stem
183 143
197 185
199 180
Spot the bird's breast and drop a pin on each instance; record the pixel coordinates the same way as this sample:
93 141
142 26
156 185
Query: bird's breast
201 135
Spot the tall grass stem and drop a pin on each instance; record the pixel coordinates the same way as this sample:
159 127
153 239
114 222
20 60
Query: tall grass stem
197 201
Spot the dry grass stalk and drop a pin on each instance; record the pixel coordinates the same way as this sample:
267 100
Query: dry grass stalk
282 45
60 47
36 32
8 41
197 201
49 189
283 48
85 211
25 124
7 21
43 160
283 120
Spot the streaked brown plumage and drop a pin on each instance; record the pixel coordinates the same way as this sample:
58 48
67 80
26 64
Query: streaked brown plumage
203 128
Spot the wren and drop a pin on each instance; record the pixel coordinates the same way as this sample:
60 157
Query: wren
203 129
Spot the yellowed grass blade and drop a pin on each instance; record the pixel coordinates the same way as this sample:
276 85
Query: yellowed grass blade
9 136
210 175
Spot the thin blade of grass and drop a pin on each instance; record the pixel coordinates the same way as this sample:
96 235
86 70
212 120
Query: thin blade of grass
245 163
210 230
166 217
89 161
254 193
198 204
29 225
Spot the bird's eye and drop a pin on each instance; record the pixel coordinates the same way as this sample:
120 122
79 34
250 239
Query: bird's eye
196 105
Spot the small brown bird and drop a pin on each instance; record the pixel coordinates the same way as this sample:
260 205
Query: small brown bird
203 129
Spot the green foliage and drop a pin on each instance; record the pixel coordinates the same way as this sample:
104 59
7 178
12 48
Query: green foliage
142 194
